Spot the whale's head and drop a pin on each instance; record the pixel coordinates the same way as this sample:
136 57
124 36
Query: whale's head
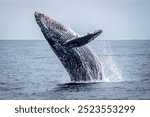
52 29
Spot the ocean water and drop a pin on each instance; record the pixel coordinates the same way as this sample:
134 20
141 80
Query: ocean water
30 70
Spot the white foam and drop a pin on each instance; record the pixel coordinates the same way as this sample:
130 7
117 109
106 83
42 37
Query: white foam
111 70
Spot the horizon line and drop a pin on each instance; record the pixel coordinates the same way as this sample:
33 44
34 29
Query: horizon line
97 39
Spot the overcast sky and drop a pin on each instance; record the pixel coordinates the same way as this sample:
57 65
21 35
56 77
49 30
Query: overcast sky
119 19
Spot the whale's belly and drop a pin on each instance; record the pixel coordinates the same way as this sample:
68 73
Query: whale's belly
82 65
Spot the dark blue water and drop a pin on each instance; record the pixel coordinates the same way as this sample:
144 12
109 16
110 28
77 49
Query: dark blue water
30 70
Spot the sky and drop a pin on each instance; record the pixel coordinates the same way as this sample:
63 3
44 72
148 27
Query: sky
119 19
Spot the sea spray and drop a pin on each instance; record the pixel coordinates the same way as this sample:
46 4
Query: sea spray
111 70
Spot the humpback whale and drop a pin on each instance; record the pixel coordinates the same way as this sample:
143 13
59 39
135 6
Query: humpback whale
77 58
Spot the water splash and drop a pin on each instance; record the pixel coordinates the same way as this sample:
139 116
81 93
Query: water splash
111 70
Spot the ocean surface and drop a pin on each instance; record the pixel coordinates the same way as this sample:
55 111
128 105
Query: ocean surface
30 70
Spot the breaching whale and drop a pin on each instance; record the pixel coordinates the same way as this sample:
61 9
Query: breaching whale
78 59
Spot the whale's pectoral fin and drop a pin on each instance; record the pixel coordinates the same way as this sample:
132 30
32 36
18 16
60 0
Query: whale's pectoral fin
80 41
